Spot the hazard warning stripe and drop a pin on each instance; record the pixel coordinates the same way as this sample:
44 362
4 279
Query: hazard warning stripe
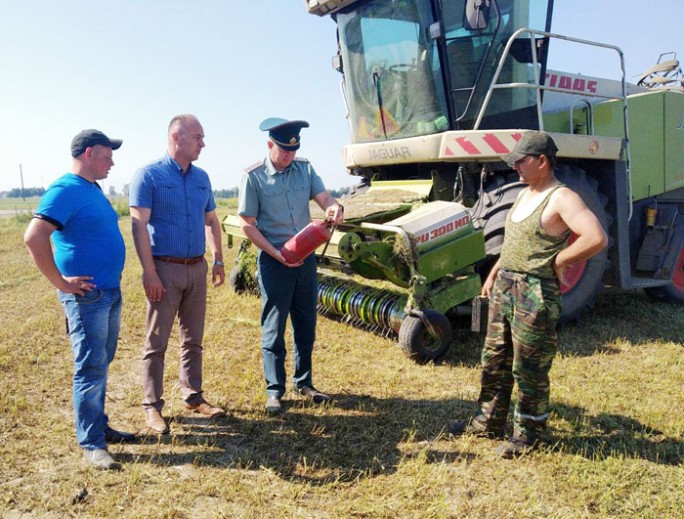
468 147
472 146
481 144
496 144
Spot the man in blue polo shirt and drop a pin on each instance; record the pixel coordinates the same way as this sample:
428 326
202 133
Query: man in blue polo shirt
85 267
274 206
172 205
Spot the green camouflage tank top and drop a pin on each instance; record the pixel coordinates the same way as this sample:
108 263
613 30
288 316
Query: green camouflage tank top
527 248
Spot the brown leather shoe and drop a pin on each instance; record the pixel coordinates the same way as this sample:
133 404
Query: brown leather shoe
155 421
204 408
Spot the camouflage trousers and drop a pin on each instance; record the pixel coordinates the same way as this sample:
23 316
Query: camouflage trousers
520 347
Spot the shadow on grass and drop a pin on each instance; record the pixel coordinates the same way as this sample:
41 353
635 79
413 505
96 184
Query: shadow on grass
621 315
617 315
356 437
610 435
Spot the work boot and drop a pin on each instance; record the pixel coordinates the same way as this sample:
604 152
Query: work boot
114 436
204 408
155 421
516 447
273 405
313 394
100 459
474 427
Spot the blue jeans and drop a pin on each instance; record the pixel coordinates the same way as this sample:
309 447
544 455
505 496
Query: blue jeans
287 291
93 321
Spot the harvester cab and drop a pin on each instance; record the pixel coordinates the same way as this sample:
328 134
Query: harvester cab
409 73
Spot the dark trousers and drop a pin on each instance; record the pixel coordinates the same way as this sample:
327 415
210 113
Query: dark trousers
287 292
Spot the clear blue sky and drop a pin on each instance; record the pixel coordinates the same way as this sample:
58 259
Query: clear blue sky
126 67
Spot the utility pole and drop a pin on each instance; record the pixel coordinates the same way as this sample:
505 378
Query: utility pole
21 175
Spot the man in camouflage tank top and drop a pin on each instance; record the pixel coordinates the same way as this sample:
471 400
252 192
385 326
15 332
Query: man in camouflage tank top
524 296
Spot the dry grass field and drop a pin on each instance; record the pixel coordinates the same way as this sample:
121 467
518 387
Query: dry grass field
615 447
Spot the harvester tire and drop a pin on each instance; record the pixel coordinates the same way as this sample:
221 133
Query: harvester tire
579 295
674 292
490 216
418 343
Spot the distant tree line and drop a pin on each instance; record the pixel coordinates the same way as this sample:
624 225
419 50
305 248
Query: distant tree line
339 193
17 192
226 193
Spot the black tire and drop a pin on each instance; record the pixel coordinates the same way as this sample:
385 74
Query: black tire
416 341
490 215
580 294
674 292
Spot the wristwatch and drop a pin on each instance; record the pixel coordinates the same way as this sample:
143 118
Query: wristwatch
218 263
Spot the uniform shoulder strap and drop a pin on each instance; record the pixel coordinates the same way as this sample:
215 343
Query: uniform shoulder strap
254 166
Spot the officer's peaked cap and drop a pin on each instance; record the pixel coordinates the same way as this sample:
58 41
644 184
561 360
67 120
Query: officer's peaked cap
283 132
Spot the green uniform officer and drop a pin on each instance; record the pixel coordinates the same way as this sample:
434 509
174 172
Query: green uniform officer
274 206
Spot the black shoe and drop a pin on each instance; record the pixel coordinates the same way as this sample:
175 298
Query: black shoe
314 394
473 427
515 448
114 436
273 405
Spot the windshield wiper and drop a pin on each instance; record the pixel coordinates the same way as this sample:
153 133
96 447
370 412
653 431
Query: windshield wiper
378 93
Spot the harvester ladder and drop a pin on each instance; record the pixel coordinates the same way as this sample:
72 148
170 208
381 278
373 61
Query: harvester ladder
538 87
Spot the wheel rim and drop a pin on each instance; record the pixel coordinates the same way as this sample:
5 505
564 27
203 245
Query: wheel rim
431 343
678 276
574 272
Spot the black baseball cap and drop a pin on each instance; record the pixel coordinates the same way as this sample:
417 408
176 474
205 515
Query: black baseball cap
532 143
89 138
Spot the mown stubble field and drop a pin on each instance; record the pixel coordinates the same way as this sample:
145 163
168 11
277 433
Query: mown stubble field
615 447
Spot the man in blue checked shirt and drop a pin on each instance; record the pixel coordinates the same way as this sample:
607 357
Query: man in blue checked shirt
172 205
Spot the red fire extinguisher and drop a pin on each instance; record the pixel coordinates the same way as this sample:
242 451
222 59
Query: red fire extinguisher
306 241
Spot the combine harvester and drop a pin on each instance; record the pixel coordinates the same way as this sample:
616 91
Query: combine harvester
437 92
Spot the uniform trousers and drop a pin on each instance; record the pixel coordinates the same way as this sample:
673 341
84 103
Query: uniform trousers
520 346
186 297
287 292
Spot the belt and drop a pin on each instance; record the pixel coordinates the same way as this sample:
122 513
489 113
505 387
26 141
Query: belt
180 261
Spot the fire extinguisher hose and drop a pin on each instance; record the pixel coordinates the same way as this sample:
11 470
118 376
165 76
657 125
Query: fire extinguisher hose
332 231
